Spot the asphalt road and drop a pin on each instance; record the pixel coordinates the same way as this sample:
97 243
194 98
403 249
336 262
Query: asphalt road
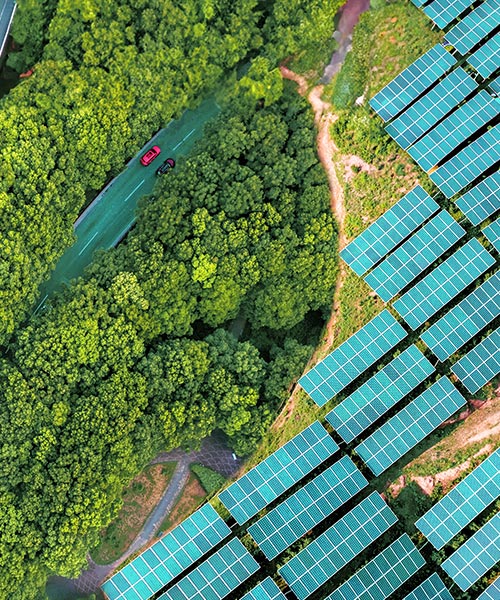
104 223
7 10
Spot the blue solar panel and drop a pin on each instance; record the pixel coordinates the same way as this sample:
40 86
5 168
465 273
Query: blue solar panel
492 232
444 283
463 503
443 12
474 27
455 129
486 59
492 592
409 426
481 364
414 256
351 358
278 472
412 82
389 230
495 85
431 589
465 320
430 108
380 393
419 3
476 557
482 200
468 164
266 590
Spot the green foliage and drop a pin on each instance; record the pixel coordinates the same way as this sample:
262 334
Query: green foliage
210 480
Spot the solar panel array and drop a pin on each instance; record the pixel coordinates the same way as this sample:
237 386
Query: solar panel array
492 232
278 472
414 256
409 426
412 82
430 108
495 85
328 553
431 589
464 320
461 124
468 164
445 282
476 557
443 12
266 590
482 200
389 230
419 3
350 359
481 364
463 503
167 558
486 59
492 592
474 27
380 393
384 574
217 576
302 511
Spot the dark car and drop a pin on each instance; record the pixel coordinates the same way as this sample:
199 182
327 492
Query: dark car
165 166
150 155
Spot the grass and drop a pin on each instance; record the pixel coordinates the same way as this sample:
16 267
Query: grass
191 497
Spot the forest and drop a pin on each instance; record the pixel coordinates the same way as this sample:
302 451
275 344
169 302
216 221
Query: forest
138 355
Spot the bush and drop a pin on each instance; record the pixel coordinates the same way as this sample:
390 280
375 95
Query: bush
210 480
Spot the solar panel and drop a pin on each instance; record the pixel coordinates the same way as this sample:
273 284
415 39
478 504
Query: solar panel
492 592
278 472
481 201
477 556
414 256
409 426
167 558
443 12
455 129
217 576
302 511
468 164
266 590
380 393
495 85
486 59
430 108
442 284
419 3
463 503
351 358
328 553
492 232
389 230
412 82
384 574
474 27
464 320
431 589
481 364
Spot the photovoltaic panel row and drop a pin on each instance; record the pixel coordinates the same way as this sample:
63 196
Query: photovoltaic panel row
492 232
486 59
384 574
328 553
481 364
380 393
455 129
167 558
409 426
431 589
492 592
412 82
474 27
445 282
389 230
476 557
416 254
495 85
266 590
351 358
463 503
278 472
430 108
419 3
443 12
465 320
468 164
482 200
302 511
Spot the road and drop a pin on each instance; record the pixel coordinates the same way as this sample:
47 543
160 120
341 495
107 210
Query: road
7 10
104 223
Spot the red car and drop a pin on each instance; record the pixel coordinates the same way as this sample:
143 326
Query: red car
150 155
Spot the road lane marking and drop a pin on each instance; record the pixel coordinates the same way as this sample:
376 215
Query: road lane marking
134 190
184 138
87 244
